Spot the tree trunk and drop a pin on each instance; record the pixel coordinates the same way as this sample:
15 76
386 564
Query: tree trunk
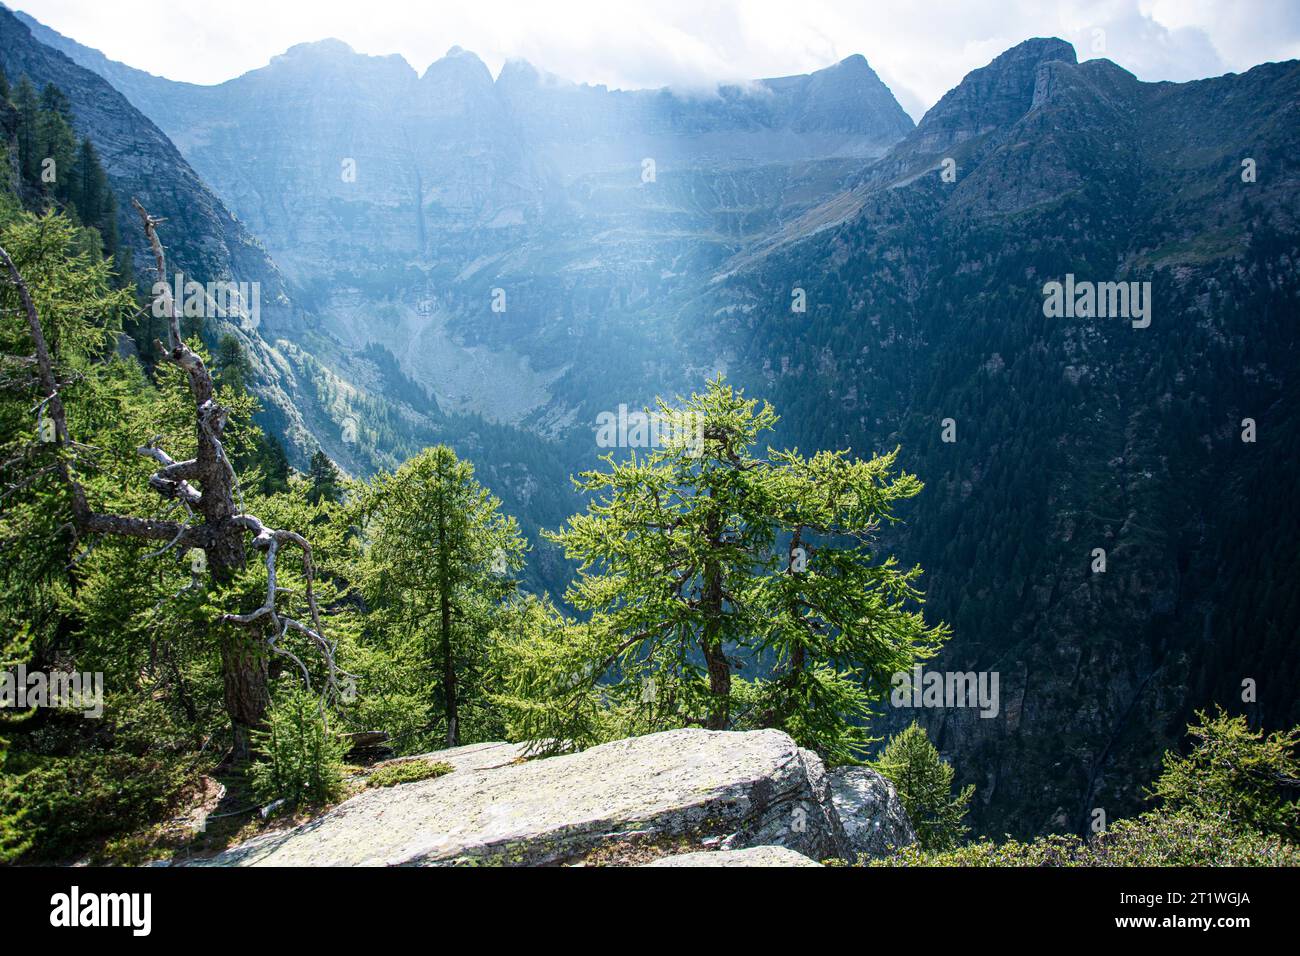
711 642
449 678
444 623
719 686
244 665
244 674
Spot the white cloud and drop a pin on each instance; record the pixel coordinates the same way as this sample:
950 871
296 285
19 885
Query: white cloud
920 49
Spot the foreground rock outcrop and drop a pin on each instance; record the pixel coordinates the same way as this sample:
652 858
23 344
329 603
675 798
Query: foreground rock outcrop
873 818
628 801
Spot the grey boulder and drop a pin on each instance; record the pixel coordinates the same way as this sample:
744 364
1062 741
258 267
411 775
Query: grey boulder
870 811
662 793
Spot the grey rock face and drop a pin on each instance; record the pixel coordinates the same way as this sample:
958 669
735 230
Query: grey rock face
868 807
754 856
811 822
677 789
990 97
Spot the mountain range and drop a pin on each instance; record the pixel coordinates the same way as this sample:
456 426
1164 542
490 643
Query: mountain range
527 183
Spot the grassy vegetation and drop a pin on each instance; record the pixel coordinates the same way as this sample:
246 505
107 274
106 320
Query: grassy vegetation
1152 839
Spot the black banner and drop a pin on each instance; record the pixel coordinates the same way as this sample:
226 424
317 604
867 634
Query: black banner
180 905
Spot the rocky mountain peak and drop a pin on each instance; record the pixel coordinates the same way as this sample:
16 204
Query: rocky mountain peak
518 73
849 96
991 97
459 66
329 48
1031 52
334 57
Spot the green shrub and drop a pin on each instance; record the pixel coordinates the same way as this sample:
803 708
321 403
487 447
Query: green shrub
14 841
69 783
407 771
1237 775
1185 839
1055 850
1152 839
300 760
66 803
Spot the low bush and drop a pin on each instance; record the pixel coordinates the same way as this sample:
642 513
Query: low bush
300 760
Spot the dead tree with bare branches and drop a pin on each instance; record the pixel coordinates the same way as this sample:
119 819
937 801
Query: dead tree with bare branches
206 490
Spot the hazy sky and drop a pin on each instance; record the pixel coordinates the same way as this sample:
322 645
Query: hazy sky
921 48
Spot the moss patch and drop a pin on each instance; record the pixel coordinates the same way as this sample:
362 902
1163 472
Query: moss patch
407 771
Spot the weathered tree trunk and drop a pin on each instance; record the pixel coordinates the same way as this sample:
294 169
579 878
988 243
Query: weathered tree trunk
244 665
244 674
220 532
243 658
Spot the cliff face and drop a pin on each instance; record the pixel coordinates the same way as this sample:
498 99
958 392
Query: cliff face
1071 433
203 239
398 202
141 161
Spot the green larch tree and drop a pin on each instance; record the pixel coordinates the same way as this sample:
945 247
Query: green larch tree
29 114
700 558
1246 778
324 481
924 783
438 565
